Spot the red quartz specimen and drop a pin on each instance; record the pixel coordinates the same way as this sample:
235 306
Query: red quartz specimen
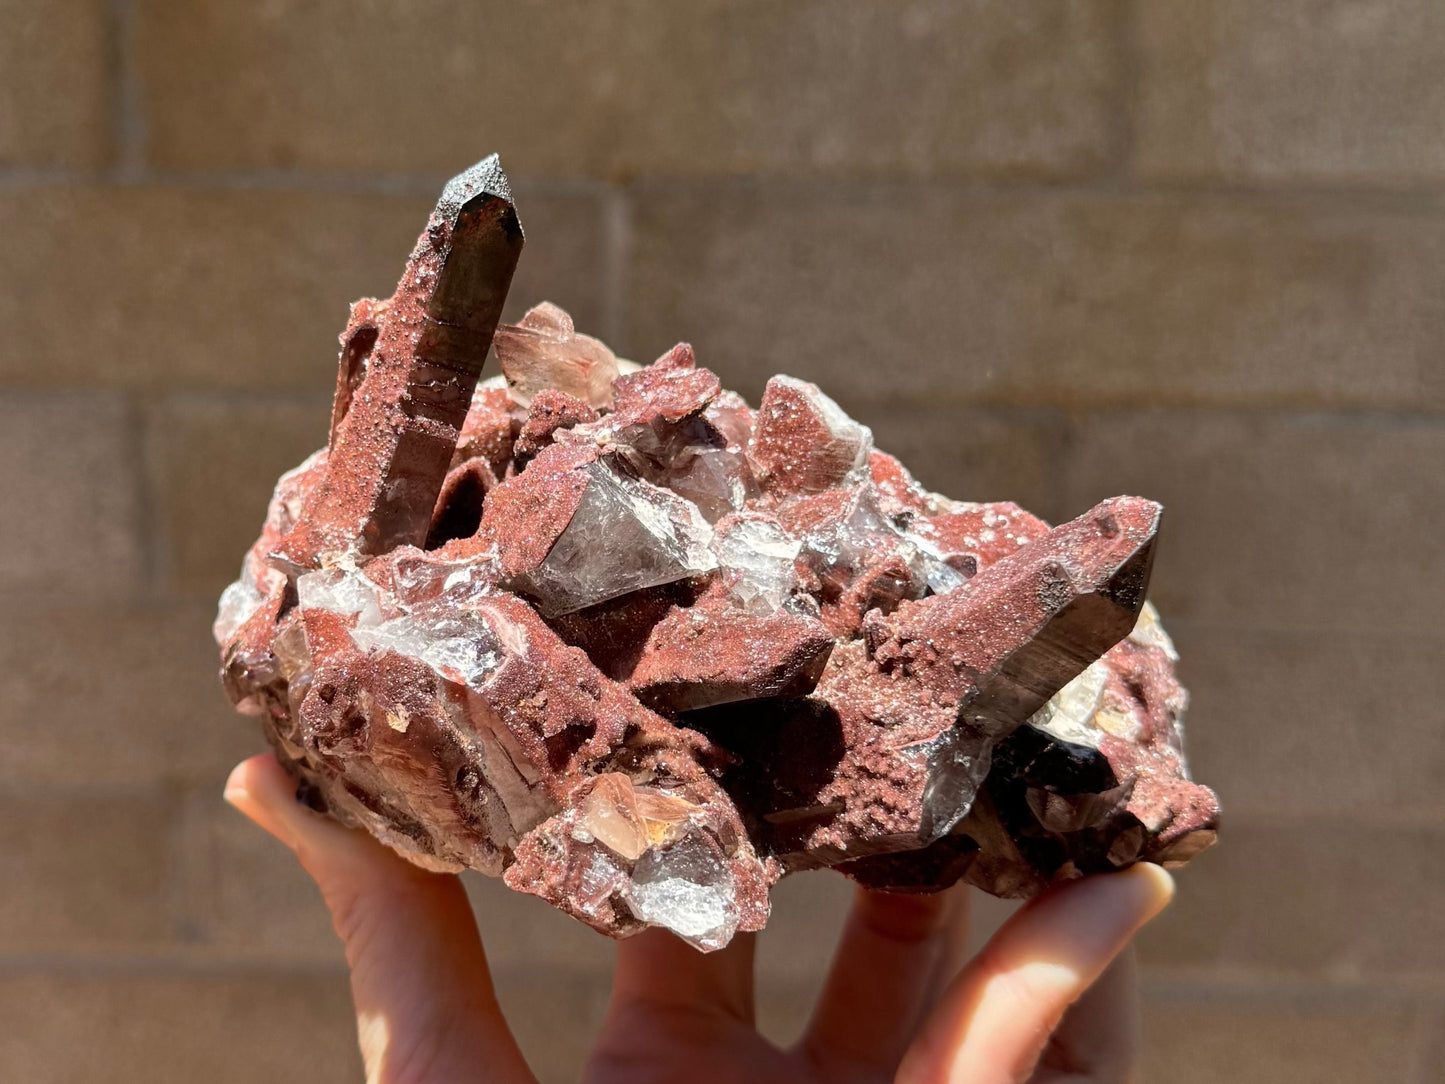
408 369
607 632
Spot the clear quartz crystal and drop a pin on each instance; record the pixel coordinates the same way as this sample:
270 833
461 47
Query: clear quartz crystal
545 351
602 881
687 889
345 591
714 473
699 459
422 578
293 654
714 477
928 564
238 602
626 534
958 760
758 555
849 542
458 644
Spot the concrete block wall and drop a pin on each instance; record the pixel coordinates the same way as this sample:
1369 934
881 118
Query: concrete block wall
1049 250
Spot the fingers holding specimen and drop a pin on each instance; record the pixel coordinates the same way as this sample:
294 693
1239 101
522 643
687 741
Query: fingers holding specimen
885 975
994 1021
424 1001
957 924
657 968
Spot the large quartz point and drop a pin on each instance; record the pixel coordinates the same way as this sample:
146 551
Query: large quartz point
606 632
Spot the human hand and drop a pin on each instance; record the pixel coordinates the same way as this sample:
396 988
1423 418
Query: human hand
1050 999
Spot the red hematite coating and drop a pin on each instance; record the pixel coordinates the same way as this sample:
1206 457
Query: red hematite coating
607 632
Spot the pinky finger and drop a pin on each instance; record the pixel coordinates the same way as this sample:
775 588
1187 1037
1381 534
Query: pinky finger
996 1018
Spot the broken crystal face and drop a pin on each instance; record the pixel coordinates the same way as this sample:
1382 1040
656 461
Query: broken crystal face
1070 716
612 634
1150 633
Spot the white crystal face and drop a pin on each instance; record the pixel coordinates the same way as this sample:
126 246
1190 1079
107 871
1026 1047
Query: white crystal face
626 534
491 383
1069 714
602 881
1083 711
427 619
1148 632
687 889
238 602
342 591
458 644
759 556
243 598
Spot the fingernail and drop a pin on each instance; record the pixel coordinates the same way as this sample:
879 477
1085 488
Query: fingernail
1161 882
236 791
255 806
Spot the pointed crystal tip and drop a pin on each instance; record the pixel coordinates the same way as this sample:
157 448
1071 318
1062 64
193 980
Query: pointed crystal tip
485 178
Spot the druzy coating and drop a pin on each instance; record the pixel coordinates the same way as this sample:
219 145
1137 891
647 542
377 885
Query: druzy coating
608 632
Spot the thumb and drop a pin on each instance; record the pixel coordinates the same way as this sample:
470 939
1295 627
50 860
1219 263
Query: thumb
425 1008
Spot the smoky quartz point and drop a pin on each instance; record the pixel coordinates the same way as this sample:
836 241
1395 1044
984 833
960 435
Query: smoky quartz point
611 634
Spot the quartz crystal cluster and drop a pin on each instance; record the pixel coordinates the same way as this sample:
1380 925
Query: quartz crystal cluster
610 633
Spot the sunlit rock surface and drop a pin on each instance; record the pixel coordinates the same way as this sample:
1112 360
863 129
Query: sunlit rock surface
640 650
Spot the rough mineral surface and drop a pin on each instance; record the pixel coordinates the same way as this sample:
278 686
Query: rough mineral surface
610 633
